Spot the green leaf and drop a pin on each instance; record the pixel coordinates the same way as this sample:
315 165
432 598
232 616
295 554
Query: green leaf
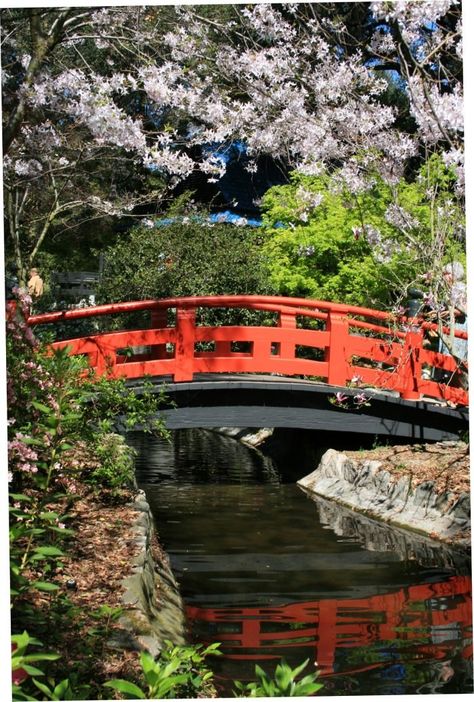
147 661
45 586
127 687
66 447
72 416
196 681
41 657
42 408
49 551
20 695
307 689
63 532
23 640
167 684
299 668
45 690
49 516
61 688
31 670
30 441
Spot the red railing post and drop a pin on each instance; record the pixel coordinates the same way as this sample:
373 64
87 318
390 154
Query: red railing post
338 327
287 321
106 360
184 348
410 365
159 320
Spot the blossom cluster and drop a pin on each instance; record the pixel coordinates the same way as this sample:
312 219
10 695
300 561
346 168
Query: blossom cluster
20 456
272 77
288 94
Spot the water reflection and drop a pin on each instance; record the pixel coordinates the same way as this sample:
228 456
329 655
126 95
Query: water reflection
271 573
376 536
427 622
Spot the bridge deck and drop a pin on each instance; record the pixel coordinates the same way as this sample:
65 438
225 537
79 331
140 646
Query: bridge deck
214 400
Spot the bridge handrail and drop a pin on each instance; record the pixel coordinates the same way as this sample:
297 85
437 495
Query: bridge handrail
267 303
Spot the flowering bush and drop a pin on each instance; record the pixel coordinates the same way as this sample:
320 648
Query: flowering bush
60 445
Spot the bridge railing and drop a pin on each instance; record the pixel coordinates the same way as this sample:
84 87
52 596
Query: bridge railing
328 341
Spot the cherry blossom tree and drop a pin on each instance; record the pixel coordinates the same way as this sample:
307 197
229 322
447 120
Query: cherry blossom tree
96 96
72 152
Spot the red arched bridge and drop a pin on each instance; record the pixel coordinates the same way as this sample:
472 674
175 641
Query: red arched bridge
303 363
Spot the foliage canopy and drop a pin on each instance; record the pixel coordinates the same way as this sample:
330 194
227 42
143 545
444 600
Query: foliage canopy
367 247
184 259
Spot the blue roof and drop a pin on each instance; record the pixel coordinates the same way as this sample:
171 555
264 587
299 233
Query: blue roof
226 217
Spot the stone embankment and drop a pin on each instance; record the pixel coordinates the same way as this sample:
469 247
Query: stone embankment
155 611
425 489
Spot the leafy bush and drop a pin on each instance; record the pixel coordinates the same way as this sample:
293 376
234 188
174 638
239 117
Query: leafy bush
283 684
365 248
114 465
184 259
180 671
59 428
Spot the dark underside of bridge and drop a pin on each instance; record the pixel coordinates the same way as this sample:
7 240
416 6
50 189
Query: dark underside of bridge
221 400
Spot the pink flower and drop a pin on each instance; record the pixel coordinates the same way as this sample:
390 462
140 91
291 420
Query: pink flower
360 399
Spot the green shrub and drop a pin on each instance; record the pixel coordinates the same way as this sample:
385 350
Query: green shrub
115 465
283 683
184 259
180 671
364 248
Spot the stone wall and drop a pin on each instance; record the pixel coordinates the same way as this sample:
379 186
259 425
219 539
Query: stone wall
155 611
365 487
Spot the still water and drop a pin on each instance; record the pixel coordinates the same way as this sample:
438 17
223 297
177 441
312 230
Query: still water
271 573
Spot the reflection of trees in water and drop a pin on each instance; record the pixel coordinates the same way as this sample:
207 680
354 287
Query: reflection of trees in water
401 669
208 456
200 456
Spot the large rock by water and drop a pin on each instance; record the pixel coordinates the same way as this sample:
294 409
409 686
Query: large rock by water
366 487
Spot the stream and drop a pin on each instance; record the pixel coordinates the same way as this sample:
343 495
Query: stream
270 572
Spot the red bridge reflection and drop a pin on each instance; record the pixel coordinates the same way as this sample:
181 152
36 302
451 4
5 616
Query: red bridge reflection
433 617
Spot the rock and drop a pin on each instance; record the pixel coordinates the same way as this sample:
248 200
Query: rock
249 436
364 486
